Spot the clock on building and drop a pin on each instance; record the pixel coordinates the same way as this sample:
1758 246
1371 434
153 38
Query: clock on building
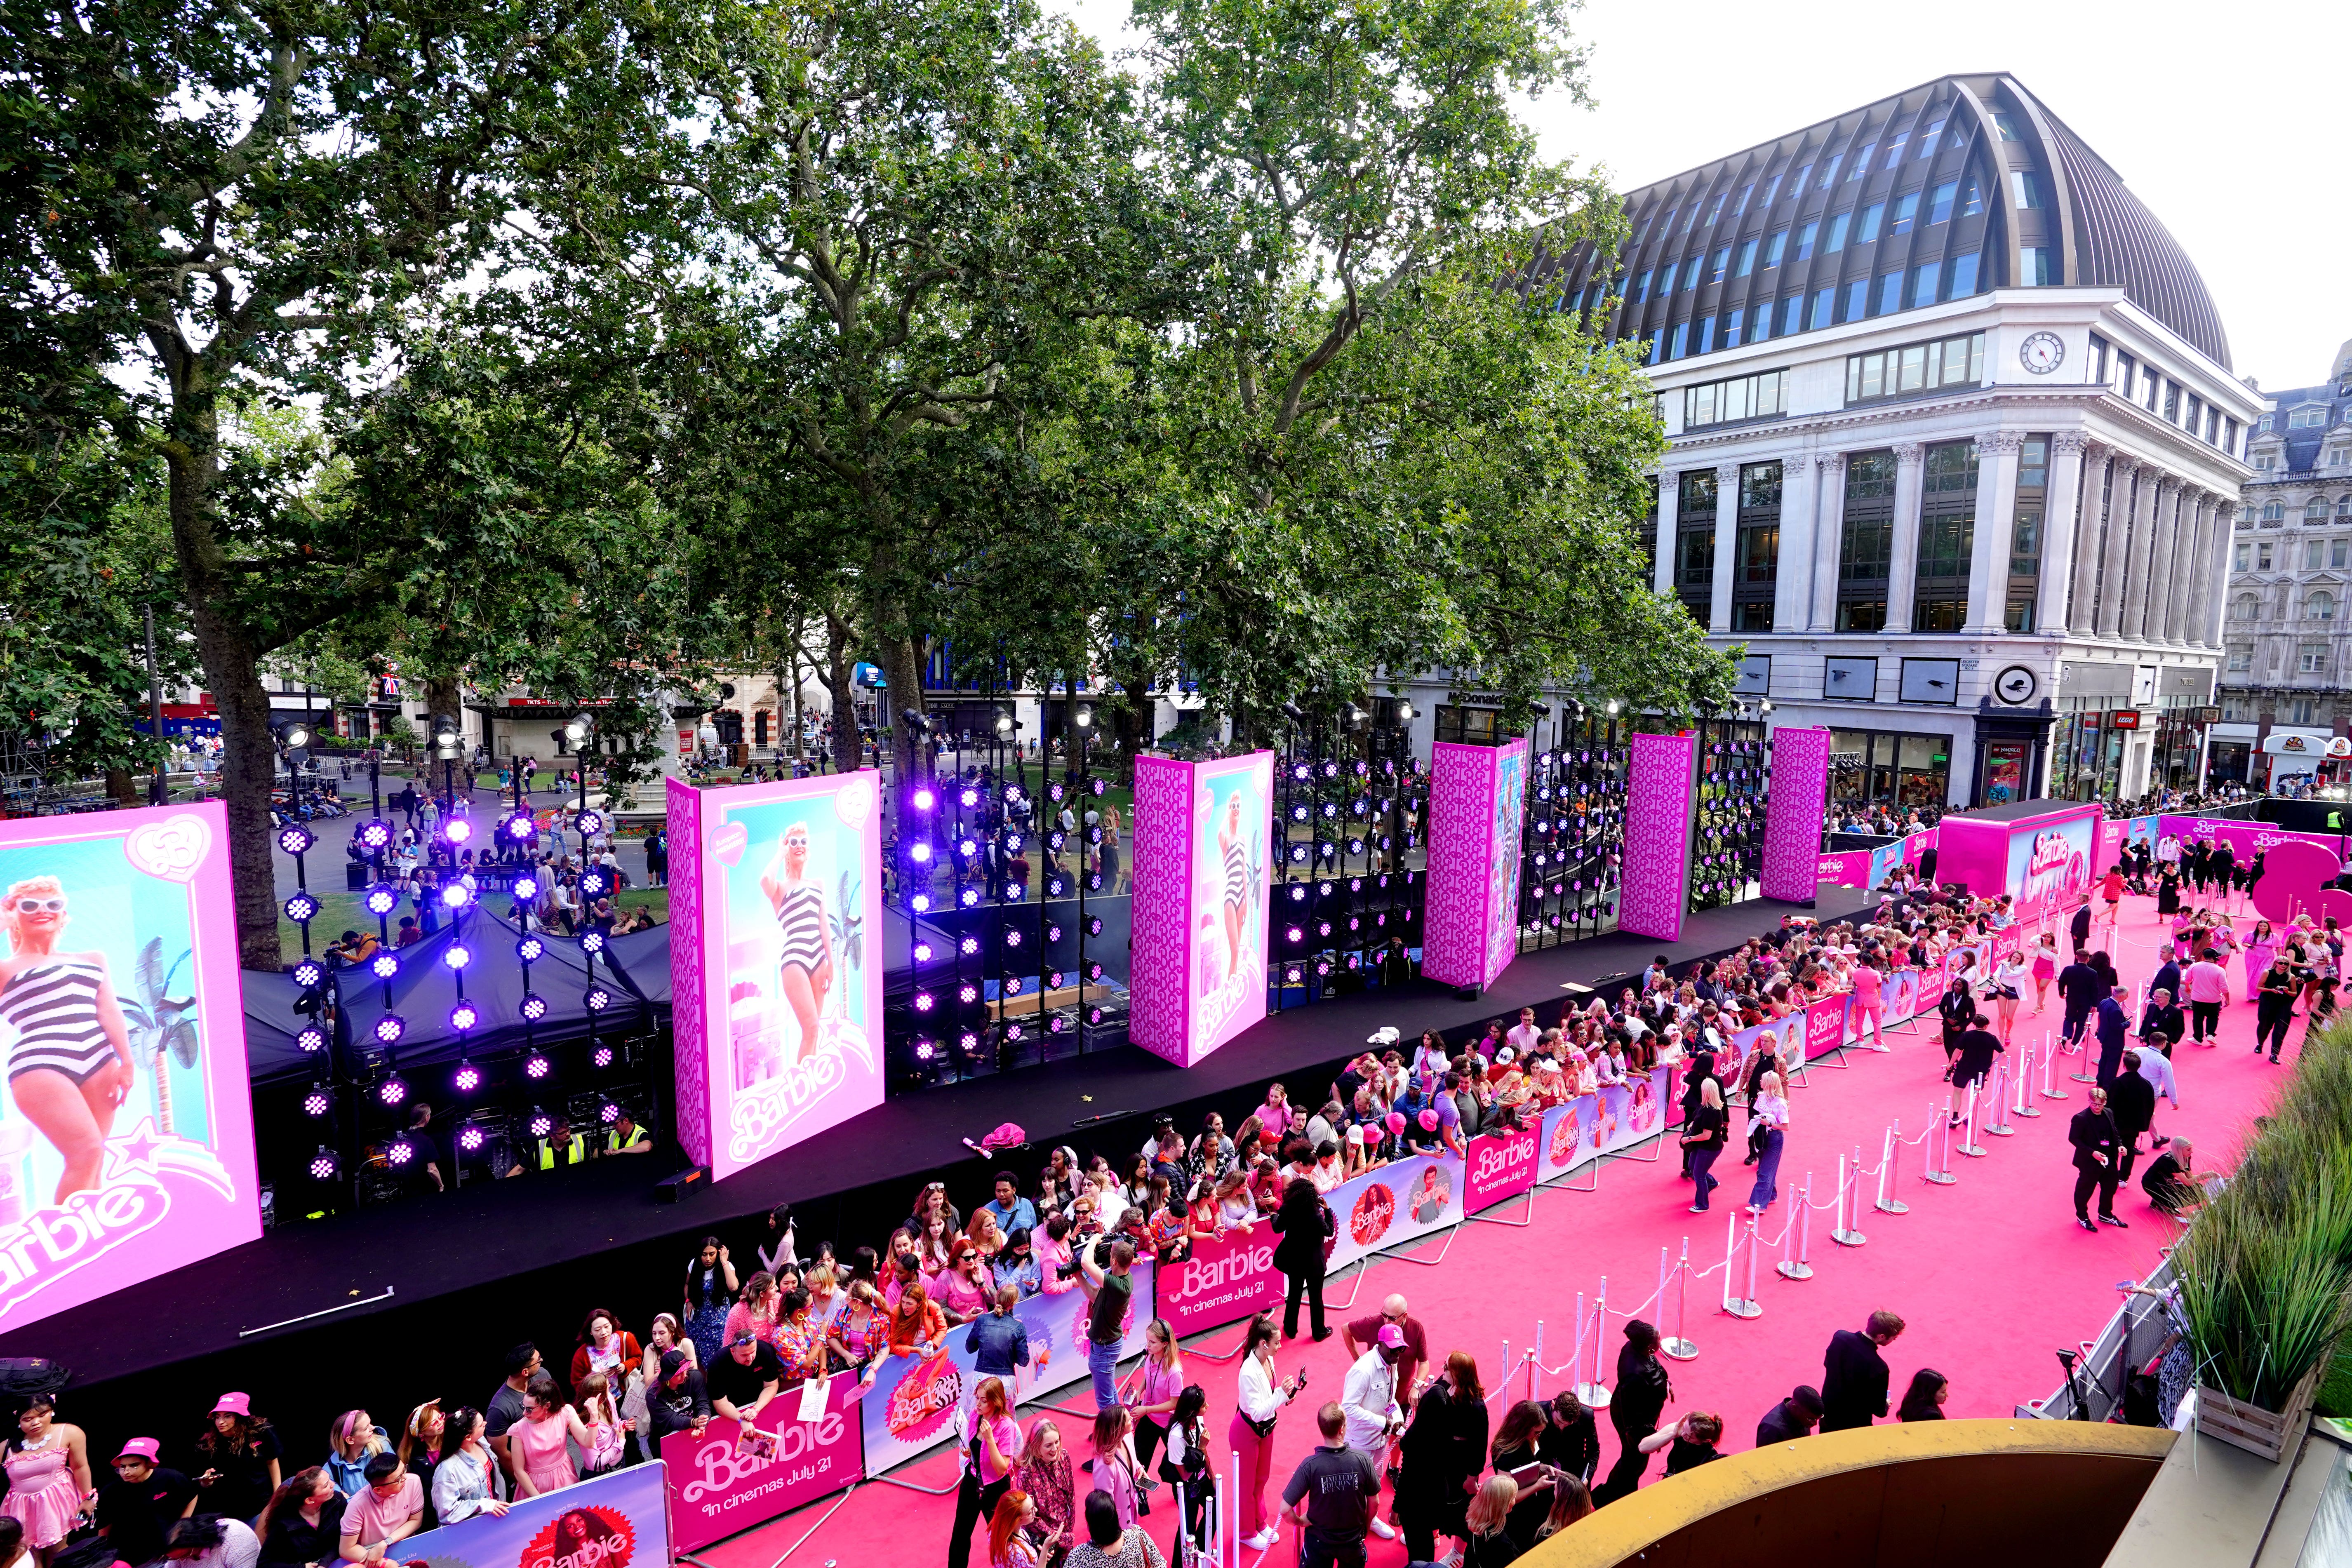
2042 353
2015 686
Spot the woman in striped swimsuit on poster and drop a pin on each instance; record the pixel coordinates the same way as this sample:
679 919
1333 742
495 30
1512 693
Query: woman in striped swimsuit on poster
804 967
1236 859
70 1050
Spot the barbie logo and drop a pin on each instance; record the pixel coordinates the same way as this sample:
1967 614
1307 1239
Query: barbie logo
582 1538
1564 1137
924 1398
722 1464
1369 1221
1497 1162
53 1242
1202 1276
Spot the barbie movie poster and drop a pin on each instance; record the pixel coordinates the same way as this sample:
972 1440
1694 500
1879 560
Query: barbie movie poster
1503 851
2050 865
126 1134
1232 825
792 978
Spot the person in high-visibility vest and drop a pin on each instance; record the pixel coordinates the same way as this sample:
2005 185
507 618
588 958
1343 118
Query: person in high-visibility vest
626 1137
573 1148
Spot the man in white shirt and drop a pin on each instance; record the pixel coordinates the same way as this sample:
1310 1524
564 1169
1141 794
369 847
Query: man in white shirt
1522 1037
1369 1402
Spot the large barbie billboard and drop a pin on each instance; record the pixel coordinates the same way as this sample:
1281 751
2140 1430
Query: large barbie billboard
1477 806
775 955
126 1132
1204 859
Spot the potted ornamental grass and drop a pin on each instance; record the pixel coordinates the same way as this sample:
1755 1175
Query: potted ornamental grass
2265 1271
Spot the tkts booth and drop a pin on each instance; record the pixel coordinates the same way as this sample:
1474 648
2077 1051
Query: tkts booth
2041 853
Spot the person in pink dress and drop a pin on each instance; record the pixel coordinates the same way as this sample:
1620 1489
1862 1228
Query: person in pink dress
48 1478
538 1439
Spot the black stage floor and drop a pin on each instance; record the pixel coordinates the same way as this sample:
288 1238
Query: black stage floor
467 1268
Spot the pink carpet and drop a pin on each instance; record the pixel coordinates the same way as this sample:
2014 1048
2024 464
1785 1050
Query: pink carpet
1992 1274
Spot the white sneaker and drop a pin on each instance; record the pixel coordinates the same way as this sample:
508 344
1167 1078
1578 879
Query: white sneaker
1383 1529
1264 1539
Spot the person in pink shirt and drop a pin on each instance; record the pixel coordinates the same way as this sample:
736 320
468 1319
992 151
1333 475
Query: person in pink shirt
387 1511
1054 1254
2208 987
1869 1004
1275 1116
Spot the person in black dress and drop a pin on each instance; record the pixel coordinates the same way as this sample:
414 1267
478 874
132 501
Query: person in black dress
1640 1397
1442 1455
1702 1134
1306 1226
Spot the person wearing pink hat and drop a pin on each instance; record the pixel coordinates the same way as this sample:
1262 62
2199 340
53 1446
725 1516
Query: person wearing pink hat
239 1457
144 1501
1367 1403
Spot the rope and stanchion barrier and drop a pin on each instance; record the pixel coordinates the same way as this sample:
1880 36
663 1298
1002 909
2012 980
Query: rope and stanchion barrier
1741 1306
1997 1125
2025 1105
2049 1088
1846 1233
1939 1129
2075 1048
1590 1392
1969 1145
1889 1170
1797 1238
1679 1346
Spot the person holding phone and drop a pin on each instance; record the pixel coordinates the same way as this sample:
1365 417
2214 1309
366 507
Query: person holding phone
1261 1397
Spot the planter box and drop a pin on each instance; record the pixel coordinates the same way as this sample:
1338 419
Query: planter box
2265 1432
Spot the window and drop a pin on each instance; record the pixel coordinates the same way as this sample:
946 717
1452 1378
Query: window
1792 311
1746 257
1861 160
2263 463
2245 557
2026 186
1706 334
1857 299
2319 607
2305 710
1805 241
1695 542
1837 233
1731 329
1690 276
1923 284
2311 658
1914 368
1927 143
1871 216
2242 659
2309 417
2246 608
1798 184
1682 340
2172 403
1939 210
2263 556
1829 168
2034 267
1641 290
1744 397
1772 191
1868 546
1971 197
2315 509
1722 261
1894 148
2337 457
1756 562
1762 326
1850 679
1906 208
2339 553
1691 222
1964 277
1716 211
1822 302
2315 554
1890 293
1931 680
1946 534
1746 191
2003 126
1657 345
1773 252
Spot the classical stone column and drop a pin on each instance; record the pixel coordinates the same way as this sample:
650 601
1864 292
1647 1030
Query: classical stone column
1799 511
2121 499
2195 544
2166 534
1828 540
2058 503
2082 608
1726 543
1670 495
2207 614
2132 626
1996 523
1903 567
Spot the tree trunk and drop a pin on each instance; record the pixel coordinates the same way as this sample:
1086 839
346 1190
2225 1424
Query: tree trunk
231 657
844 669
902 669
445 694
789 679
122 790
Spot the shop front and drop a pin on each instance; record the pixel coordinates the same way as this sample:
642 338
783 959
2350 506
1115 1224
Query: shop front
1890 769
2011 758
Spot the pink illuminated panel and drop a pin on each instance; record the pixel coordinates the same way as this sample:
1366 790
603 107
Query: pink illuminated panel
121 1013
1204 850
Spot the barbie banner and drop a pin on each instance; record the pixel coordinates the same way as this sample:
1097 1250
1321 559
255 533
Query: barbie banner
1223 1281
1477 805
726 1479
615 1521
1592 1125
1824 1026
126 1134
1204 844
775 956
912 1404
1499 1167
1399 1202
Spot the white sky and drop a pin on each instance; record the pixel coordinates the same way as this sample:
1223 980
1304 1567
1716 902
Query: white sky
2230 124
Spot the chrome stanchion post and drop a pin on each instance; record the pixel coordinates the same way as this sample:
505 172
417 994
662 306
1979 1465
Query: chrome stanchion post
2049 1090
1592 1393
2081 1048
1534 1356
1680 1347
1746 1306
2025 1105
1998 1125
1887 1168
1794 1264
1970 1147
1939 1167
1847 1233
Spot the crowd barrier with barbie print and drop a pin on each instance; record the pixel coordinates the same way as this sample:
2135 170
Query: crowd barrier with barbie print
725 1479
126 1134
613 1520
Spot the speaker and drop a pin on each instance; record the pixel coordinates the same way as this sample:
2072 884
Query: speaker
685 1185
1468 993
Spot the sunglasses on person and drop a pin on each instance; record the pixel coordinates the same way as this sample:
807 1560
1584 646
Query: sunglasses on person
55 906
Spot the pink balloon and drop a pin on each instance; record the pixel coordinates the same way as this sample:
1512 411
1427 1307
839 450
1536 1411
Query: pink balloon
2336 904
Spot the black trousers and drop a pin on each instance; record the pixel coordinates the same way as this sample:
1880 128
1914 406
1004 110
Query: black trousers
1325 1549
2273 1025
1625 1476
2072 1029
975 1504
1311 1287
2204 1019
2126 1154
2088 1182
